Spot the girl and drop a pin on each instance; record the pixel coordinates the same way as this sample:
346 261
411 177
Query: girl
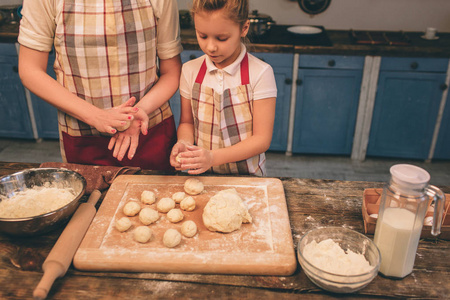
227 96
109 56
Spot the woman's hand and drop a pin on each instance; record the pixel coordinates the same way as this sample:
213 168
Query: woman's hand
196 159
129 139
108 120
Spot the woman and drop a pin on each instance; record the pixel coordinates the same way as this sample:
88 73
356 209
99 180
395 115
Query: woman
116 62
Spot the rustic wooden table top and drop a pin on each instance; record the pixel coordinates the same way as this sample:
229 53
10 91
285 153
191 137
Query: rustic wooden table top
311 203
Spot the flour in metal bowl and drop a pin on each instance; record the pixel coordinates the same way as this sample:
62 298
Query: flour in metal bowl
35 201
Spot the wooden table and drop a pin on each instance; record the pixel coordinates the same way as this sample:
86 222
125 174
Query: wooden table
311 203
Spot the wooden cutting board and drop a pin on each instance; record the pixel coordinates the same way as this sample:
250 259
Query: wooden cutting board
264 247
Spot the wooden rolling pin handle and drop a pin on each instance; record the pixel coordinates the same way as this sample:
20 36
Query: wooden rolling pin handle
61 255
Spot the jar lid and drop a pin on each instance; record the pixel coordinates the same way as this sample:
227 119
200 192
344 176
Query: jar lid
410 176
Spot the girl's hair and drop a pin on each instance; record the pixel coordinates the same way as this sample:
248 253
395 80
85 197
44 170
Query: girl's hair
237 10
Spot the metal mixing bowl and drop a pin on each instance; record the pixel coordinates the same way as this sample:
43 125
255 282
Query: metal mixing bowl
348 240
26 179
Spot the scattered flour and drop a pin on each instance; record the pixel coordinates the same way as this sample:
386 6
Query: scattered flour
35 201
330 257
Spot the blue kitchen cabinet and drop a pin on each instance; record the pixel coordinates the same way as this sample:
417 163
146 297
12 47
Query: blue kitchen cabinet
406 107
326 104
14 116
442 150
45 114
282 68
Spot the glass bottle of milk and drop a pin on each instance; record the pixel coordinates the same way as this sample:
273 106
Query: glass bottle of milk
403 206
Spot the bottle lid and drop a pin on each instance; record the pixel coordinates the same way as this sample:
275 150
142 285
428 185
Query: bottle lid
410 176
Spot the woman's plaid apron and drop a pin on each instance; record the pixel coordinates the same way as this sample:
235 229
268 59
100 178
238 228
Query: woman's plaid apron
105 54
222 120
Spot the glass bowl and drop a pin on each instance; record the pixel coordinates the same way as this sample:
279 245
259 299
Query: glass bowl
29 178
347 239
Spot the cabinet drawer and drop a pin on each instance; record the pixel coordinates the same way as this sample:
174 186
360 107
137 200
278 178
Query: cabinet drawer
331 62
8 49
415 64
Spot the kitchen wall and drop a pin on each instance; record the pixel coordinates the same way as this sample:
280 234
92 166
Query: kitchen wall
394 15
10 2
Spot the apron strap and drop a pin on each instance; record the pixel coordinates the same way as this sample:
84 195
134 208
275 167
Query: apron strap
201 73
245 76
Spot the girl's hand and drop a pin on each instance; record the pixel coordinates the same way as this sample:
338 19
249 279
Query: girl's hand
196 159
108 120
176 156
129 139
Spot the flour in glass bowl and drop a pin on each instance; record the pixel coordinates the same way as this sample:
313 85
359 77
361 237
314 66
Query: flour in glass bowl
35 201
328 256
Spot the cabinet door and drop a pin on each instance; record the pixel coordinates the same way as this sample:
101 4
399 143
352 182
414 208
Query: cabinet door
15 120
282 68
442 150
46 115
325 112
405 112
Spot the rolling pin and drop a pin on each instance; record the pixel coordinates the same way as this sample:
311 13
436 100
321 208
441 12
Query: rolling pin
60 257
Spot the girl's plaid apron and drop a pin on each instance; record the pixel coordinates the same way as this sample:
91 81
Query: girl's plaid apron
224 120
105 54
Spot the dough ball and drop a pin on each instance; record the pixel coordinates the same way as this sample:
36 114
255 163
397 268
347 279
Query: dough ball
123 224
171 238
148 197
125 126
142 234
225 212
131 208
178 196
165 204
148 216
175 215
193 186
189 229
188 204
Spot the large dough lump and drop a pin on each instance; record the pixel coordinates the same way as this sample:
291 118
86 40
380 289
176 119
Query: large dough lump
225 212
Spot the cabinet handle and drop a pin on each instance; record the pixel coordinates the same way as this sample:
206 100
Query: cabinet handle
331 63
299 82
443 87
288 81
192 56
15 69
414 65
